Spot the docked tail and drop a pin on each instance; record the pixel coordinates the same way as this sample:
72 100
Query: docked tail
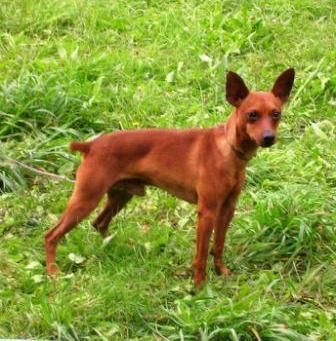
83 147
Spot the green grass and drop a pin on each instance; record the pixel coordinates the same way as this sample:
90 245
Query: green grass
73 69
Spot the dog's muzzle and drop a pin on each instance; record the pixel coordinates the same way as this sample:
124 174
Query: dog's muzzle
268 139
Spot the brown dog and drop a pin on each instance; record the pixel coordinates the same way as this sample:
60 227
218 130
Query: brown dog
201 166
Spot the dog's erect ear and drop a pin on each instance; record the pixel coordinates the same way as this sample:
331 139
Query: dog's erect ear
283 85
236 90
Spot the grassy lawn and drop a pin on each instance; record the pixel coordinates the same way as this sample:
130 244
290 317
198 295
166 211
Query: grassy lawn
71 69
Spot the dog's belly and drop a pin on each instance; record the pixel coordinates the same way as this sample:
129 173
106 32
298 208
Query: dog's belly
136 186
180 192
176 179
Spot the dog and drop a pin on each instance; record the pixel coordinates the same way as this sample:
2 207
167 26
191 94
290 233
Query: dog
202 166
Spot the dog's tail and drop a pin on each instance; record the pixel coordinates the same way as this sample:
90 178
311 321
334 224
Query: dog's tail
83 147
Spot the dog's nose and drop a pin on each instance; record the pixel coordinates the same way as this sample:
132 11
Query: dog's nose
268 139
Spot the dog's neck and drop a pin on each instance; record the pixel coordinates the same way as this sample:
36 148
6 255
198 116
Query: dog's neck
241 145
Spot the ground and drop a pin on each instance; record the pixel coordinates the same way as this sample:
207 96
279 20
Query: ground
74 69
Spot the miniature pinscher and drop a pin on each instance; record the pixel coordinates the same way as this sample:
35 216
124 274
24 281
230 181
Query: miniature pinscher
202 166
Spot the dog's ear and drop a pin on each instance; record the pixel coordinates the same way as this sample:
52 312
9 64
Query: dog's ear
236 90
283 85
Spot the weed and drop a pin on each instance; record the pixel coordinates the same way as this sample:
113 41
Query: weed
73 69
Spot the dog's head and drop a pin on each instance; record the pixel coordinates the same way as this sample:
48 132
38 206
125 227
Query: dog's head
258 113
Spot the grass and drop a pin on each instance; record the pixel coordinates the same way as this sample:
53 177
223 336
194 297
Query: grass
73 69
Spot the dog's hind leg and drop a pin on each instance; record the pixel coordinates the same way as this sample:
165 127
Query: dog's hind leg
116 200
89 189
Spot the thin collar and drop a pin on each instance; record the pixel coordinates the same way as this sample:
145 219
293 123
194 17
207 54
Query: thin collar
240 154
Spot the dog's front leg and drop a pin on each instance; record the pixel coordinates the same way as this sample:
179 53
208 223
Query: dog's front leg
221 227
222 222
205 225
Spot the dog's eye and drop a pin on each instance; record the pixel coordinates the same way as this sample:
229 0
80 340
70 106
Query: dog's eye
276 115
252 116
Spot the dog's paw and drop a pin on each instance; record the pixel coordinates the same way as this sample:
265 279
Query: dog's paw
222 270
199 279
52 270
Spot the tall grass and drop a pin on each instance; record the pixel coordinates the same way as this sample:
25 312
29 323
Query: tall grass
73 69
